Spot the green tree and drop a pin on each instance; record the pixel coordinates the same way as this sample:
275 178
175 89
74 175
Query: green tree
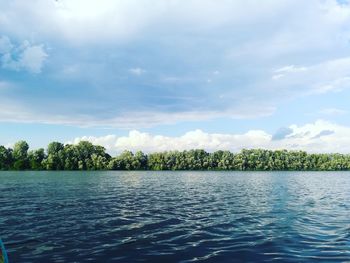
5 158
55 156
36 159
20 155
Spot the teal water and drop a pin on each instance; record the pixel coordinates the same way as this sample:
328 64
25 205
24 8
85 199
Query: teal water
175 216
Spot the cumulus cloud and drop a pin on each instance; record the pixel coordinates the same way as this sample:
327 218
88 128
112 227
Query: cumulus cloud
320 136
23 57
196 139
107 141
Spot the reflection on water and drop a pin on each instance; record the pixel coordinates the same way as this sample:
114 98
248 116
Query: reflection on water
175 216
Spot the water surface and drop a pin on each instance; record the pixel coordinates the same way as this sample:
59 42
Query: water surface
175 216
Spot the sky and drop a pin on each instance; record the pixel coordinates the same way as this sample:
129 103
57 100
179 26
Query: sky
158 75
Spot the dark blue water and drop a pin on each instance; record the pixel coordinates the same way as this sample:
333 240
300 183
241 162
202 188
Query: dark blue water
175 216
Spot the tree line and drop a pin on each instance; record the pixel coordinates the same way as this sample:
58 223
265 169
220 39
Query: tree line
86 156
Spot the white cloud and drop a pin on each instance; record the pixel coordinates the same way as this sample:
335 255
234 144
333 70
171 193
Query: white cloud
107 141
328 76
191 140
290 68
137 71
23 57
9 145
86 21
296 31
277 76
334 85
320 136
279 73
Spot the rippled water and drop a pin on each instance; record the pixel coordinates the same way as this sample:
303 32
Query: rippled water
175 216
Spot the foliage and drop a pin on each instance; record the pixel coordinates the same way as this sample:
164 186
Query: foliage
20 156
6 161
86 156
36 159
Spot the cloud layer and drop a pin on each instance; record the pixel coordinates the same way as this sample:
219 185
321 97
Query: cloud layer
105 60
224 66
320 136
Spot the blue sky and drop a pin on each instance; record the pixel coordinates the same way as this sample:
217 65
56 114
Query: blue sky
160 75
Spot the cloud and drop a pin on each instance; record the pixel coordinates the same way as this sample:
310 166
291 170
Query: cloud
107 141
14 111
279 73
32 58
282 133
290 69
320 136
137 71
328 76
191 140
333 111
23 57
83 22
5 45
323 133
204 59
335 85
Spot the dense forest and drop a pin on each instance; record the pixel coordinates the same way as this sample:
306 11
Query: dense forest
86 156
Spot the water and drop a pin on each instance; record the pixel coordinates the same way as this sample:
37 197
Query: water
175 216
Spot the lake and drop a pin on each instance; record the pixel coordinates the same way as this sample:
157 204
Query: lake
175 216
